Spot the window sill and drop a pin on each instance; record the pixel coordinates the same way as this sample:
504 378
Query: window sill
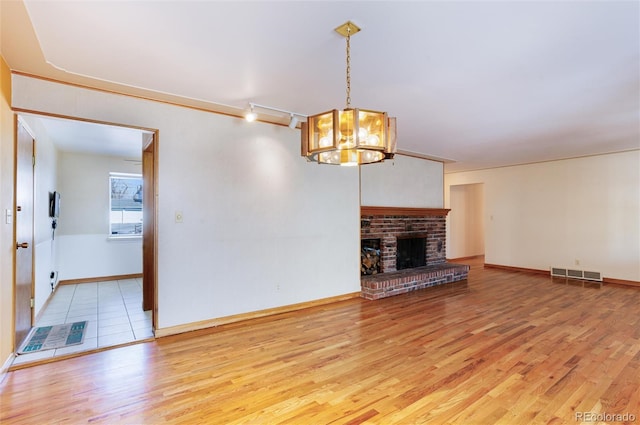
124 238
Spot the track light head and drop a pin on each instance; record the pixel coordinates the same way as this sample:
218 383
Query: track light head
294 117
293 123
250 115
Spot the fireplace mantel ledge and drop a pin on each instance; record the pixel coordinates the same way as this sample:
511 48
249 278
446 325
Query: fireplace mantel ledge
403 211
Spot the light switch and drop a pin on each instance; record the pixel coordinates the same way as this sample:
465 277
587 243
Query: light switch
178 216
8 216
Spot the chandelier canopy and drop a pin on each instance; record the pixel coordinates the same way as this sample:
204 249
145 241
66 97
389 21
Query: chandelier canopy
350 136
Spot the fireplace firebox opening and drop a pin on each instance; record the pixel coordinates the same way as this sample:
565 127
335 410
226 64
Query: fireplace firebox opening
411 252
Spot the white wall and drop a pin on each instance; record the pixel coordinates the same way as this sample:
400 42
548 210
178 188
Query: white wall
84 247
465 222
403 182
262 227
45 177
82 256
557 213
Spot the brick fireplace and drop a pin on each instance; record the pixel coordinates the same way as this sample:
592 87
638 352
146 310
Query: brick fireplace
384 227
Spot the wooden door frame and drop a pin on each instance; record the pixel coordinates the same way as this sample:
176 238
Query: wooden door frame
150 241
153 289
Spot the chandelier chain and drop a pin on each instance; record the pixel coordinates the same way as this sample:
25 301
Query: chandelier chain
348 67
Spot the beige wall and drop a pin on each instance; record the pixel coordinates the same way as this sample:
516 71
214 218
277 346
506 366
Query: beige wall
6 203
581 213
402 182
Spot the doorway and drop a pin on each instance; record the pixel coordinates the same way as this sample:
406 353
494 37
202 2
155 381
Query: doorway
66 149
466 221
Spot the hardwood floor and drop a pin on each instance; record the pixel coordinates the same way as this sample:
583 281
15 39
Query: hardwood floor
502 348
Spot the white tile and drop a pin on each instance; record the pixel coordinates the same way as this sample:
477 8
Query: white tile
84 301
141 324
57 309
129 286
86 291
110 304
143 333
87 317
113 329
76 312
30 357
113 309
134 307
109 297
112 314
112 321
139 316
81 305
113 339
65 289
60 299
47 320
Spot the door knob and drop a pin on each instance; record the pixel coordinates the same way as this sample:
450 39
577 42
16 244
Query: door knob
22 245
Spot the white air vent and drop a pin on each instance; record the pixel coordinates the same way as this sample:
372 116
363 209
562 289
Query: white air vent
592 276
576 274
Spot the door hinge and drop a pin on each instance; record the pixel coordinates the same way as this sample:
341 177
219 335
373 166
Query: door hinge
32 302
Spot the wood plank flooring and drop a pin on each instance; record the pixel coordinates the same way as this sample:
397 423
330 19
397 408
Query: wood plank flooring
501 348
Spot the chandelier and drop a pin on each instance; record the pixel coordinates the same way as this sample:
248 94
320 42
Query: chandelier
350 136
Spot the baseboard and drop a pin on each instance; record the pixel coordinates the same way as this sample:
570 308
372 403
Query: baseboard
621 282
5 367
470 257
517 269
99 279
195 326
605 280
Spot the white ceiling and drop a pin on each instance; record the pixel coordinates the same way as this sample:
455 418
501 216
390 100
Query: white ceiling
478 84
88 137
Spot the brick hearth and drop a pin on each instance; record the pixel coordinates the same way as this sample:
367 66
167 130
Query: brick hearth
384 285
388 224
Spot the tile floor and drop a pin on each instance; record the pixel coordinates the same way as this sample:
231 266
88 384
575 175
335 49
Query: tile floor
113 309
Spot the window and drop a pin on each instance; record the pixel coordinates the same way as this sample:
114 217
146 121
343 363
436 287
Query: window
125 206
